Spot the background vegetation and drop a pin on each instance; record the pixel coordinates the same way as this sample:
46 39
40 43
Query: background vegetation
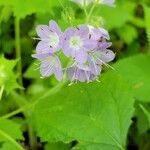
45 114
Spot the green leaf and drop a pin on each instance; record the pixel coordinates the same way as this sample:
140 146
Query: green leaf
115 20
33 71
23 8
128 33
9 133
7 76
95 114
5 13
136 70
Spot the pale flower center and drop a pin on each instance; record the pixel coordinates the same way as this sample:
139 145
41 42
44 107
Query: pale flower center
76 42
53 40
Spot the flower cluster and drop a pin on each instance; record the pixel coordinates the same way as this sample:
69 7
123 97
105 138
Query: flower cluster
86 45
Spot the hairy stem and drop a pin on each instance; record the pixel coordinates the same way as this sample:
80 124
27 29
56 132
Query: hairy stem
30 105
32 138
91 10
85 11
27 106
1 92
18 49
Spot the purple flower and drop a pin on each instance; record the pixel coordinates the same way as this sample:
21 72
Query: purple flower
107 2
83 72
50 64
101 37
87 2
88 46
98 34
50 38
90 69
81 2
75 74
99 57
77 43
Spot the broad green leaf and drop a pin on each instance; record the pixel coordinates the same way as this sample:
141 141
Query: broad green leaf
95 114
23 8
7 76
136 70
128 33
9 133
5 13
116 17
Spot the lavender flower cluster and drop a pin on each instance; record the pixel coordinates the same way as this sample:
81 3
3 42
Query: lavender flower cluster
86 45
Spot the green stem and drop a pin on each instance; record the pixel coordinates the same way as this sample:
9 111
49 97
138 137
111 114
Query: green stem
11 114
32 138
84 8
1 92
30 105
18 48
145 112
91 10
9 138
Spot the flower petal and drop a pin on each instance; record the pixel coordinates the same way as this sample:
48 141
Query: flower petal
90 44
54 27
43 31
46 69
41 56
71 73
108 2
43 47
107 56
81 56
58 69
103 45
95 69
82 30
83 75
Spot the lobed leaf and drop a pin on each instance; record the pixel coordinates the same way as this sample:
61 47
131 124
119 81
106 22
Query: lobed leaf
7 76
135 69
9 133
95 114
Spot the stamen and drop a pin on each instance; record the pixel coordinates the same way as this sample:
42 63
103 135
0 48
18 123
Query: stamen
86 76
71 83
36 68
37 64
94 66
36 38
107 65
74 75
98 80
